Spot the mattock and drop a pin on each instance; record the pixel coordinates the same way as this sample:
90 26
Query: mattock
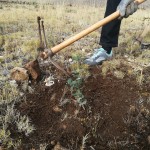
51 52
45 47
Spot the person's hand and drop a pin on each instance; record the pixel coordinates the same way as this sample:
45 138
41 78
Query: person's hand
127 8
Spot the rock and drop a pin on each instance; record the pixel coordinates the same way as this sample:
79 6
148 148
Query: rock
57 109
8 60
5 72
59 147
21 93
49 81
19 74
83 50
53 142
70 60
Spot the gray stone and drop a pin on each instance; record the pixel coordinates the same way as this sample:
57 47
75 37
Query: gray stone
5 72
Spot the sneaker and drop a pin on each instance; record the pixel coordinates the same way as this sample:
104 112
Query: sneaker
98 57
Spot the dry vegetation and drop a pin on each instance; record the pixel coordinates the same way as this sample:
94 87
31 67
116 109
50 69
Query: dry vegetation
19 42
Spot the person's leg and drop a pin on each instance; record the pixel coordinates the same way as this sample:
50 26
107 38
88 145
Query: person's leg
110 32
109 37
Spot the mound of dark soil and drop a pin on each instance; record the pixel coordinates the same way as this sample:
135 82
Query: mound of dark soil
102 121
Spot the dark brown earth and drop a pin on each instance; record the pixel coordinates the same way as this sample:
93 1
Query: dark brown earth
109 101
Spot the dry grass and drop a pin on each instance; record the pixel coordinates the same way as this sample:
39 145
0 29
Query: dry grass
19 41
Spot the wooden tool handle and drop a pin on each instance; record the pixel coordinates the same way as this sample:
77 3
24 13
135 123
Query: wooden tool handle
85 32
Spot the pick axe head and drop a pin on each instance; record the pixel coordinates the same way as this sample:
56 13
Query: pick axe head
33 69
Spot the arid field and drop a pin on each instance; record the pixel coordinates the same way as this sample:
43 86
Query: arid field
105 107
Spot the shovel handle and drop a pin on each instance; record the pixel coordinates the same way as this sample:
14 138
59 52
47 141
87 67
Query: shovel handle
85 32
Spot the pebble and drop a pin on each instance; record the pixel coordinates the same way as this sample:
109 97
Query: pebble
8 60
5 72
21 93
83 50
70 60
49 81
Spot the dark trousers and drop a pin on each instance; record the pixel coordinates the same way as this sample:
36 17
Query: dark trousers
110 32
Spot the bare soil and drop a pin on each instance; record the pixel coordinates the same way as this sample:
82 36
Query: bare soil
108 101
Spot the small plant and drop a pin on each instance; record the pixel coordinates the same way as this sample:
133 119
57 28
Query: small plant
137 123
110 66
79 68
10 118
76 91
24 125
84 140
5 138
80 71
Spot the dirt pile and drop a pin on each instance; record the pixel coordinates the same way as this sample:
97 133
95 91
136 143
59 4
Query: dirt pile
102 124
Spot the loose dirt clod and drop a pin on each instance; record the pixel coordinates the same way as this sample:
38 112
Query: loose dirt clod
19 74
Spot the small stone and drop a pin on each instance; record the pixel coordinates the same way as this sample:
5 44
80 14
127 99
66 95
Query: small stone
5 72
57 146
21 93
76 112
83 50
132 109
64 126
57 109
88 54
8 60
126 56
53 143
70 60
49 81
